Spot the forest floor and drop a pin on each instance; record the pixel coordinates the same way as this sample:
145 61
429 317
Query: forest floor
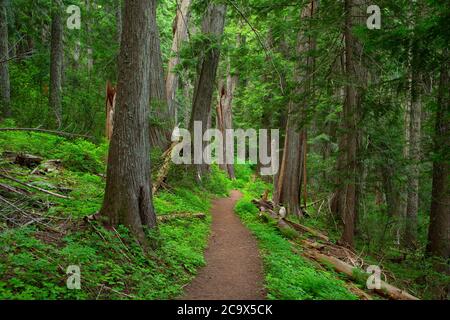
246 256
234 269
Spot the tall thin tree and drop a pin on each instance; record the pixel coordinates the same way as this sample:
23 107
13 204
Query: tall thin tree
56 61
180 33
356 78
292 170
162 122
212 27
5 90
439 229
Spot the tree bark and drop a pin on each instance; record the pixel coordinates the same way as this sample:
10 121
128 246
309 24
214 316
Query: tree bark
293 161
353 95
89 50
162 123
180 34
415 114
225 111
118 9
56 61
439 228
5 89
212 27
128 198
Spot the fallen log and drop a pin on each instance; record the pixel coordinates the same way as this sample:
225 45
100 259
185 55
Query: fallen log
281 224
340 266
169 217
34 187
357 291
303 229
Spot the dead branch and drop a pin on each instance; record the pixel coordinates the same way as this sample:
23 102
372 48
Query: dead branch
34 187
54 132
15 190
180 216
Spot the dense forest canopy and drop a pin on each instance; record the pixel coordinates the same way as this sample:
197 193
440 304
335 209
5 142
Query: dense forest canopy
359 91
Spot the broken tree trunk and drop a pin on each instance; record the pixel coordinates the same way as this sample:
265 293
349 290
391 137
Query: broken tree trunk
164 171
27 160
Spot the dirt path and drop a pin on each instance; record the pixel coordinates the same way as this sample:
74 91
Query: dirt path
233 268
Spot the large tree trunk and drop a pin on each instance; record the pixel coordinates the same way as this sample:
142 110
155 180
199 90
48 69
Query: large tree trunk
5 90
180 34
212 27
128 198
353 95
56 61
162 122
293 161
439 229
414 154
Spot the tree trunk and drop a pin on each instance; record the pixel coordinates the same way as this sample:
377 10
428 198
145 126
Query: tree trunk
180 34
128 198
226 112
355 77
212 27
439 229
118 9
293 162
5 90
56 59
412 207
162 123
89 50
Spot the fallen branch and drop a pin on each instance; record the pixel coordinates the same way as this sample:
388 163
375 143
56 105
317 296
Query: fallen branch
313 203
181 215
54 132
15 190
34 187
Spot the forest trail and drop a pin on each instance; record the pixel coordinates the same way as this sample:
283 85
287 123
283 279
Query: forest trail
233 268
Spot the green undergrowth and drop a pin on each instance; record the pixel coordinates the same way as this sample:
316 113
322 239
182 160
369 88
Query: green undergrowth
288 276
34 259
